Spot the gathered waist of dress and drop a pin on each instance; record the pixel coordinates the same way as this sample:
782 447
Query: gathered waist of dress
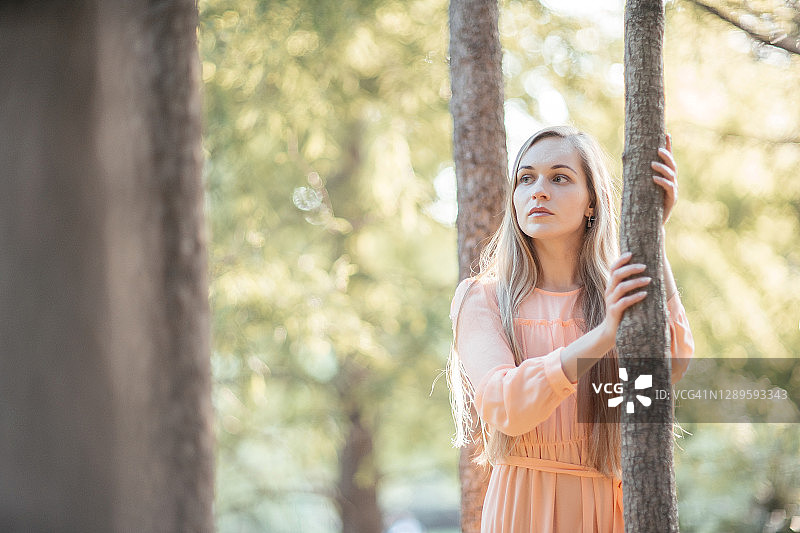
532 445
548 465
559 467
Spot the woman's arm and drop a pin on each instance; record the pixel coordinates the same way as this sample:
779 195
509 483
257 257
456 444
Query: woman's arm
670 286
681 340
681 345
513 399
667 179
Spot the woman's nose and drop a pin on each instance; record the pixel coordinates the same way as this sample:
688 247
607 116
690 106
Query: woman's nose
539 190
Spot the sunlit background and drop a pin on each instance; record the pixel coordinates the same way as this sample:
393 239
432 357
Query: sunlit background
331 198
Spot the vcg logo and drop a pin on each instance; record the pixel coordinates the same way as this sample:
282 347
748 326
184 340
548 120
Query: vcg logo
645 381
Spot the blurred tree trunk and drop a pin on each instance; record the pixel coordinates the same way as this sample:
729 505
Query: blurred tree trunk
481 161
647 466
104 321
357 494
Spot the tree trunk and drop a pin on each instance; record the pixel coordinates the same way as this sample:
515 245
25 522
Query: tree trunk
104 321
481 161
357 495
647 467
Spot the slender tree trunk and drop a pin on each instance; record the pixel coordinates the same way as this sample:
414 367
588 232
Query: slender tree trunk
647 465
356 496
105 410
481 160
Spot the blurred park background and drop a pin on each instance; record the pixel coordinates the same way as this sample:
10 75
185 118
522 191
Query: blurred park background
331 204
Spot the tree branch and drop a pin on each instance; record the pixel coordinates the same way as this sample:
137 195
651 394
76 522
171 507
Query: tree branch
783 42
742 137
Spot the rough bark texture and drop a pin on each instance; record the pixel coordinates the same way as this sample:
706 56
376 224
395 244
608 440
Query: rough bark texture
104 321
479 138
479 152
647 467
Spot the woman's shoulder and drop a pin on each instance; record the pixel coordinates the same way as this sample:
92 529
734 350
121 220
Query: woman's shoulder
474 291
484 282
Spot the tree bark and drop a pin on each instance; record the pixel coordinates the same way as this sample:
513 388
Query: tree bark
104 320
481 161
647 466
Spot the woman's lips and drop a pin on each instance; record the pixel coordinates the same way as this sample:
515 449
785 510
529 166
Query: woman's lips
539 211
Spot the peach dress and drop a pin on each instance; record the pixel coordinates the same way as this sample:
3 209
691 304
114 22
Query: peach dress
543 485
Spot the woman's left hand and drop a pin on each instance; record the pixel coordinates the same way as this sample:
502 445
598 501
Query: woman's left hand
667 178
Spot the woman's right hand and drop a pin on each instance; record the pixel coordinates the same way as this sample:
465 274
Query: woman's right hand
621 292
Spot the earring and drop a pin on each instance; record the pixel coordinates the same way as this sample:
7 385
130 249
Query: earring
590 221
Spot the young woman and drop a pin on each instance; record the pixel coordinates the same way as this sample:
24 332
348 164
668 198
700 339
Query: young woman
551 290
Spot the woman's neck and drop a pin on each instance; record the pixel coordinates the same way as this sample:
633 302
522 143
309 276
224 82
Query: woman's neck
558 262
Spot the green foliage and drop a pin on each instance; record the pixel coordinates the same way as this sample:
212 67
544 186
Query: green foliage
552 59
733 244
734 239
326 128
738 477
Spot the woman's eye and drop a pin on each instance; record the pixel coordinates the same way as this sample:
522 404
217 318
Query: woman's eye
527 178
560 178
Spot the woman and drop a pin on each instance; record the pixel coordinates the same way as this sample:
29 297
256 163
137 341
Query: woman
548 294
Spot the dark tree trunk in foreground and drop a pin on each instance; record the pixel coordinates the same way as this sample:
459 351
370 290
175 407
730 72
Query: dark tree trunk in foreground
479 152
105 410
647 467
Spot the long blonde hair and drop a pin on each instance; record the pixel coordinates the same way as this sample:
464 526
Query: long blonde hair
510 260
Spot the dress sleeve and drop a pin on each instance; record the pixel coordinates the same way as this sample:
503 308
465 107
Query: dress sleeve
681 340
512 399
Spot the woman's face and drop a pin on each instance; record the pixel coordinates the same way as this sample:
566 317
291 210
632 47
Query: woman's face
551 198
